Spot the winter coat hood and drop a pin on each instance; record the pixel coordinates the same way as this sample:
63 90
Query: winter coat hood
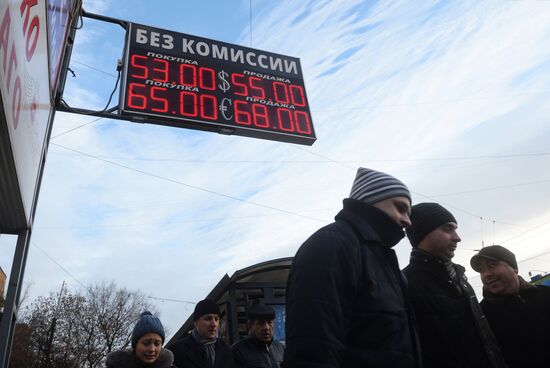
127 359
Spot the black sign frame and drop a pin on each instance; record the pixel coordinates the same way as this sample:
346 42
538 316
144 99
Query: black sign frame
168 78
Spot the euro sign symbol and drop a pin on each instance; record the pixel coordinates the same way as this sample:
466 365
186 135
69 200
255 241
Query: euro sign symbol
224 107
224 83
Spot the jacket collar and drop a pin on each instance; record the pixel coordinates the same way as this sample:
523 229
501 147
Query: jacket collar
258 342
421 257
524 288
371 223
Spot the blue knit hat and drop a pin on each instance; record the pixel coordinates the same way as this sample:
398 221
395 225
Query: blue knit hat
372 186
146 323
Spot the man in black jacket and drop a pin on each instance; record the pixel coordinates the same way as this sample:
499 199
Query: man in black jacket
346 301
259 349
452 329
518 312
202 348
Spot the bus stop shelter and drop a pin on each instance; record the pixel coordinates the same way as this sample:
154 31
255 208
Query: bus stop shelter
263 282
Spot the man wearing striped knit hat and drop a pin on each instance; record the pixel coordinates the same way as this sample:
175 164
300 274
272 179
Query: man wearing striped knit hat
346 298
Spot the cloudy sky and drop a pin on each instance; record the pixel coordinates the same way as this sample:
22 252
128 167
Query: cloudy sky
451 97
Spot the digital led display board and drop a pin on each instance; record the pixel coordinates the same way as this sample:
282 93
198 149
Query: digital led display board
187 81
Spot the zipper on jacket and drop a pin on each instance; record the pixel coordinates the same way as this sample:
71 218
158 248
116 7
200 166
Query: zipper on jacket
269 357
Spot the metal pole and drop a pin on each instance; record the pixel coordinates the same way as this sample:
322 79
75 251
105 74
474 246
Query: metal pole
9 318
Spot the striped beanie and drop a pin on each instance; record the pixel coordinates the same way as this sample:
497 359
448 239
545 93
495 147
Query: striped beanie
374 186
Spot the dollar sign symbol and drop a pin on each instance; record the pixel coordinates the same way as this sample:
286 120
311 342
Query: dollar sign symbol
224 84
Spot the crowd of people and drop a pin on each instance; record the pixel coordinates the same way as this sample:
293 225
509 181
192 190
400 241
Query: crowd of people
349 305
202 347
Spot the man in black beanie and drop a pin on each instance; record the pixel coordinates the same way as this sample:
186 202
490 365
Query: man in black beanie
452 329
202 348
346 298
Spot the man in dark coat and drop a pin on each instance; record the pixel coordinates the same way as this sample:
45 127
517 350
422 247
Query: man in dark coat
452 329
202 348
346 301
518 312
259 349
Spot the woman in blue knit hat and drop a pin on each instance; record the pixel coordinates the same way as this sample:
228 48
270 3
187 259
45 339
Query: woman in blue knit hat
147 351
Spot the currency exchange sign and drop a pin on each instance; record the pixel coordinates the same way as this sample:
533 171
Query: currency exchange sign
186 81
